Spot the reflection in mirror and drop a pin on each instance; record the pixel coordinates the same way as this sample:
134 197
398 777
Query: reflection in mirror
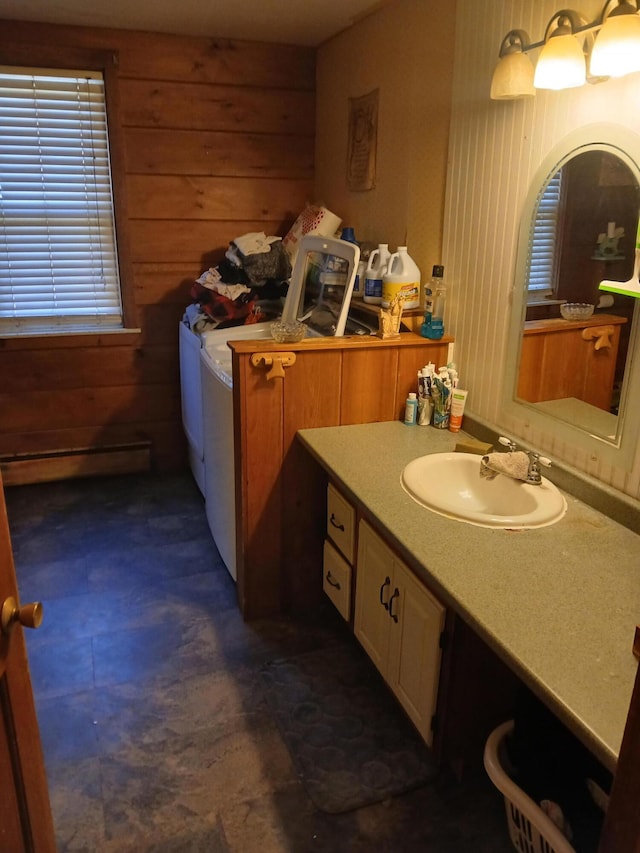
581 231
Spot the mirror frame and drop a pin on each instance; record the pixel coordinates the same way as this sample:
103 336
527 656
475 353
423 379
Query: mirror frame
622 450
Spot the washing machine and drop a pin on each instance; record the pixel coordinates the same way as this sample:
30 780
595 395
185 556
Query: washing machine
190 343
324 309
218 436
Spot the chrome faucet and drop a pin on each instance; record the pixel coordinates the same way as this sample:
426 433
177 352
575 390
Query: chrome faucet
534 475
535 461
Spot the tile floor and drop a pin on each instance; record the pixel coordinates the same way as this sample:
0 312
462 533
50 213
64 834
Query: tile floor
154 726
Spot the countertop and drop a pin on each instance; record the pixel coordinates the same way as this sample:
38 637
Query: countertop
558 604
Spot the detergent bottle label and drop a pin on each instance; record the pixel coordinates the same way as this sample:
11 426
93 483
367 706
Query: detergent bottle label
408 292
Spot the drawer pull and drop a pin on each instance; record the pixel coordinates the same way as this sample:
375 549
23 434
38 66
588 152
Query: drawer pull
385 604
396 594
333 521
331 581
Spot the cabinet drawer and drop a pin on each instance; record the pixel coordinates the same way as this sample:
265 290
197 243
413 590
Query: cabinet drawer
341 523
336 580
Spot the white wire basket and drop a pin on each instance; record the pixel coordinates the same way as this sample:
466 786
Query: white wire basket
530 830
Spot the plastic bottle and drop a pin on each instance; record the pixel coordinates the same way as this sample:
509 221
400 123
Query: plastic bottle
336 269
411 409
435 296
376 268
349 236
402 279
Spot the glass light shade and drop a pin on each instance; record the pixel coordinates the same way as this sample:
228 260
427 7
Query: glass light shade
512 78
617 48
561 64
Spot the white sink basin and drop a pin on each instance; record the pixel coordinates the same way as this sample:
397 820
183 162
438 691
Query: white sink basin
450 484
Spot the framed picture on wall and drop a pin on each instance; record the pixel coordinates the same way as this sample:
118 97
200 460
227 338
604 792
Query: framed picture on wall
363 137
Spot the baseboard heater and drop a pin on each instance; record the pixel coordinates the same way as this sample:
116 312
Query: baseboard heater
22 468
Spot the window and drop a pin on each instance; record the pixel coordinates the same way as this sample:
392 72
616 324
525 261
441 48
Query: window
58 256
543 269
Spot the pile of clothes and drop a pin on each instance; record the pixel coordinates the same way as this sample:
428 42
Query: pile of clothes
247 286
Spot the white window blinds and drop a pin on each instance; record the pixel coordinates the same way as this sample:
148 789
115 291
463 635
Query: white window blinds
58 260
544 245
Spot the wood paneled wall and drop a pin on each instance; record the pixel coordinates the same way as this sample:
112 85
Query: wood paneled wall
218 140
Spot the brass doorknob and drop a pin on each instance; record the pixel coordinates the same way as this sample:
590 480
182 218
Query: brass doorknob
29 615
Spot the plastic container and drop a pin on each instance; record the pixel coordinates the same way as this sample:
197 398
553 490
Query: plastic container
402 279
435 296
529 827
349 236
411 409
376 268
336 269
358 285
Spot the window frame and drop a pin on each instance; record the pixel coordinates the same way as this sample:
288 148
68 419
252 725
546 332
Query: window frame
105 61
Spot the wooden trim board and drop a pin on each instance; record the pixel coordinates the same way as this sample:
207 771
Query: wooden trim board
75 462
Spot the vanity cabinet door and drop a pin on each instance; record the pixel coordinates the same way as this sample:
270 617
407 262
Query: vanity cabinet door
373 591
399 624
414 648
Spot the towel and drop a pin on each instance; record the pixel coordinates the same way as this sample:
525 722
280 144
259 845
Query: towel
514 465
254 243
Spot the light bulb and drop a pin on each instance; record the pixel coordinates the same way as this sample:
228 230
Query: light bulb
561 64
616 51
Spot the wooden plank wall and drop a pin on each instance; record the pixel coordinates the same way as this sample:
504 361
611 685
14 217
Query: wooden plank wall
218 140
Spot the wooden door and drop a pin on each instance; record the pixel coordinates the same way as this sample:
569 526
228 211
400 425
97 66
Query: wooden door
25 816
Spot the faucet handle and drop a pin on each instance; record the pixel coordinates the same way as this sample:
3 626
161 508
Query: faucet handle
507 443
540 460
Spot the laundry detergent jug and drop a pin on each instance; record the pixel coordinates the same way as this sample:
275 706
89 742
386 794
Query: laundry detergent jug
373 276
402 280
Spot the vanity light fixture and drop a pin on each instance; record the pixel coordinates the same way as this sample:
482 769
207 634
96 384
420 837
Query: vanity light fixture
573 51
561 64
513 77
616 51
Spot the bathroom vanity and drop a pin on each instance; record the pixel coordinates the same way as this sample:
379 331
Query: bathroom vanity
557 605
278 389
